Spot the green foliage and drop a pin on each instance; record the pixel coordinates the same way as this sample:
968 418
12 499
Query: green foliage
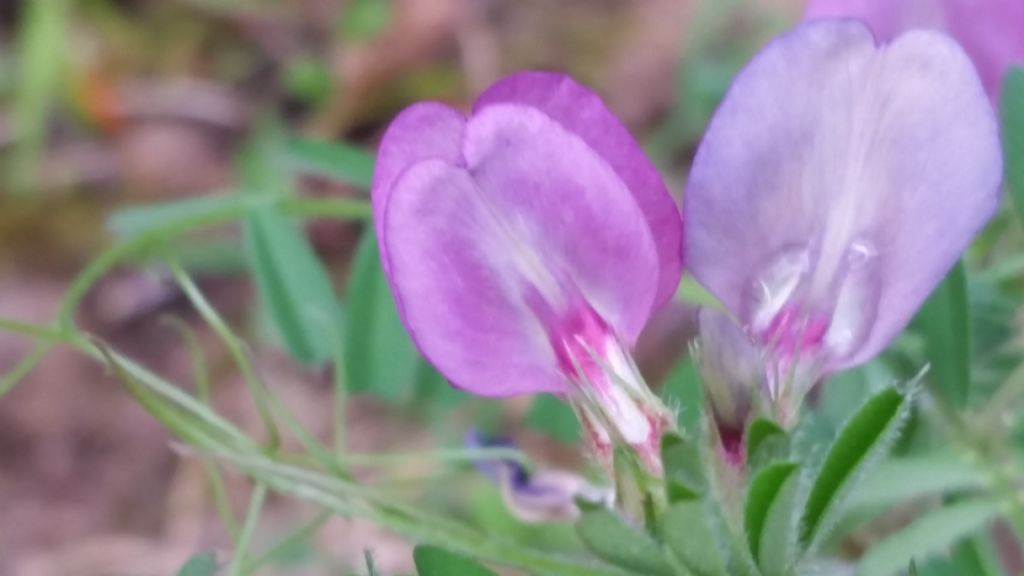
903 480
364 19
681 457
334 160
293 284
860 444
768 510
1012 103
380 358
433 561
691 531
131 221
766 442
552 416
945 323
611 539
42 50
929 534
682 392
201 564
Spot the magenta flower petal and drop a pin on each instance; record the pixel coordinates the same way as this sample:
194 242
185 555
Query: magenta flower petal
991 31
582 112
421 132
508 254
837 184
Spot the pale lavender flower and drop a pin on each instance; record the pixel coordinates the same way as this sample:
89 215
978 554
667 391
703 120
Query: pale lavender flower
991 31
527 245
836 185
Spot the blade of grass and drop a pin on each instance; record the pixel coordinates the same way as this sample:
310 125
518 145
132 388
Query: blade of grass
252 516
210 470
235 349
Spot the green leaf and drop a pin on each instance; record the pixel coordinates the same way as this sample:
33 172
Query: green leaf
365 19
777 549
861 443
201 564
554 417
766 441
42 52
334 160
611 539
946 325
134 220
977 556
689 531
433 561
1012 108
901 480
380 357
682 392
293 284
930 534
684 467
770 490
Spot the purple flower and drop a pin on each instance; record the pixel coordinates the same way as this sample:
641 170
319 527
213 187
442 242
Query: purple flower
836 185
528 244
541 496
991 31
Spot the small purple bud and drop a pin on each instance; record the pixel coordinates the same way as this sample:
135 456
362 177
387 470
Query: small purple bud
543 496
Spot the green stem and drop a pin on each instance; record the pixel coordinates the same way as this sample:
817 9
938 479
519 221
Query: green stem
234 346
303 533
238 562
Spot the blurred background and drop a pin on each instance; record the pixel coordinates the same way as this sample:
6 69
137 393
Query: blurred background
108 107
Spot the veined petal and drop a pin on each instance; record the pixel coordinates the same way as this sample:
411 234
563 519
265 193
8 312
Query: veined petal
457 299
838 182
423 131
581 111
534 216
580 217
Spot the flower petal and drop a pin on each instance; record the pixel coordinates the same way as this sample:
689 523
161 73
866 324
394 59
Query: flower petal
423 131
457 304
580 216
836 170
582 112
534 207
